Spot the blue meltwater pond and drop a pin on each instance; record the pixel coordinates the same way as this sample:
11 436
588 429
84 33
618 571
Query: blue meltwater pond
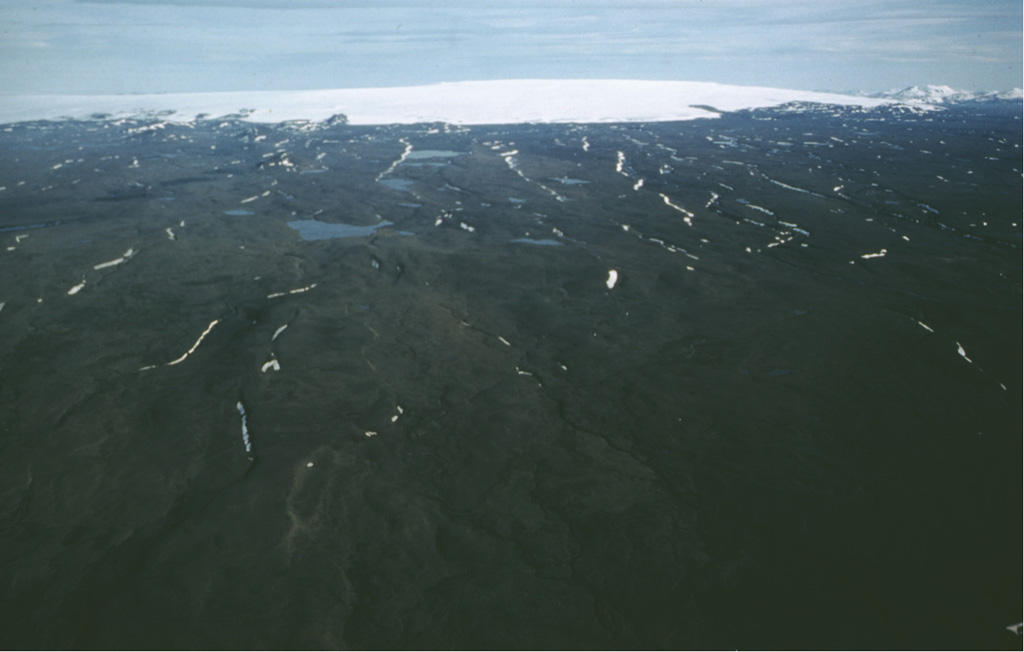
317 230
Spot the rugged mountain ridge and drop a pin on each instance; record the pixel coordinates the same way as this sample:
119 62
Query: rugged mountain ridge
946 95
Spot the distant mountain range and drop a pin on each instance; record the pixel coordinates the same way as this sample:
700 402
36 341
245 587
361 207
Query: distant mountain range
931 94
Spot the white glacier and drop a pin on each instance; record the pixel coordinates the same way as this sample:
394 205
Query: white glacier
472 102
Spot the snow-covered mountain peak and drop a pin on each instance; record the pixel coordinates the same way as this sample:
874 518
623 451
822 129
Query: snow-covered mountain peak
1012 94
942 94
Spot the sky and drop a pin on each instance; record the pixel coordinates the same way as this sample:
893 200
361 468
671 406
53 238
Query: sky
162 46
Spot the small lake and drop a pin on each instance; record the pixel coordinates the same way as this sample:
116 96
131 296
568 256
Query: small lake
317 230
397 184
545 242
418 154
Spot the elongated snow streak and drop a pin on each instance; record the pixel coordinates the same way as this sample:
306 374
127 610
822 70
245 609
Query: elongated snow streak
760 208
170 234
117 261
796 227
880 254
196 345
275 295
638 185
620 163
245 429
789 187
510 161
658 241
586 145
668 202
408 150
278 332
76 289
613 278
714 198
190 351
254 197
926 326
271 364
963 354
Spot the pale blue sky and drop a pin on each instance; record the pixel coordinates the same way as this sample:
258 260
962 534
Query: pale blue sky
146 46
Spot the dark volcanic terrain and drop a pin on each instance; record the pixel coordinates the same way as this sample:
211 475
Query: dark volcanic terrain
752 382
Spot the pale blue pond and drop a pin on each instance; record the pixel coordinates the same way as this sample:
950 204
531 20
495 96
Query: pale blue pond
25 227
397 184
431 153
545 242
317 230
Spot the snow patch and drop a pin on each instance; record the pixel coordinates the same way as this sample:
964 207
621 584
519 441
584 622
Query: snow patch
117 261
245 429
613 278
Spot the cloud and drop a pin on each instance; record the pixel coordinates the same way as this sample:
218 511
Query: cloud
215 43
253 4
